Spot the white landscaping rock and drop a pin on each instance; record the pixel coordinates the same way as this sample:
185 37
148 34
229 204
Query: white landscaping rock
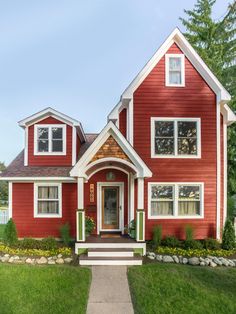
212 264
176 259
28 261
202 264
59 255
159 258
185 260
51 262
42 260
167 259
68 260
194 261
60 261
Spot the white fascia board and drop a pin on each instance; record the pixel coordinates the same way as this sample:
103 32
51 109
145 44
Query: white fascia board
230 115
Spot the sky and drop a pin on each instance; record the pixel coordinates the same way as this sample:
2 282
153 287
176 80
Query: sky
76 56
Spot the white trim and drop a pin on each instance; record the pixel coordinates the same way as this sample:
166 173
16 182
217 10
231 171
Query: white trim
50 127
32 179
175 120
225 171
80 193
26 146
218 170
140 193
106 167
131 122
175 200
99 205
36 214
74 145
167 69
10 199
131 197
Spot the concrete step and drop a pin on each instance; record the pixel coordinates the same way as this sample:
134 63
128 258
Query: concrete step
108 252
84 259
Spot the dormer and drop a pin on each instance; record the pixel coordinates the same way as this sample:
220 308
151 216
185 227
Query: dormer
51 139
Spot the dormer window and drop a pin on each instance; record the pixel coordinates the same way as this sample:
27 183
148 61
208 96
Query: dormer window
175 70
50 139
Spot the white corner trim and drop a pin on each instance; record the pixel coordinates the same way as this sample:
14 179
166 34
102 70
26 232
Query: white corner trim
50 127
140 193
218 170
131 196
26 146
175 120
36 214
175 200
74 145
225 172
80 193
167 69
10 199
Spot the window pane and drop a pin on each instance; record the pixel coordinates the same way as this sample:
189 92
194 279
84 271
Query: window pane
47 192
164 128
48 207
175 78
175 63
187 129
42 133
187 146
164 146
57 146
42 146
57 133
189 208
161 208
162 192
189 192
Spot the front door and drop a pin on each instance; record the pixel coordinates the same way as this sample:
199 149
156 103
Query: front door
110 207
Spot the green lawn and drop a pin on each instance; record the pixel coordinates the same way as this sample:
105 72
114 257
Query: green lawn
43 289
162 288
1 230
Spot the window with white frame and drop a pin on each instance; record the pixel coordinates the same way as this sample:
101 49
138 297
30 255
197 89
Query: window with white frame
175 200
179 137
47 200
50 139
175 70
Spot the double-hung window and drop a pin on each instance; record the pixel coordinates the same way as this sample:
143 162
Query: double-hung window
175 137
47 200
175 200
50 139
175 70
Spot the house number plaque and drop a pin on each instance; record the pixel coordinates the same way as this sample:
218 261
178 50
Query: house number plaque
91 193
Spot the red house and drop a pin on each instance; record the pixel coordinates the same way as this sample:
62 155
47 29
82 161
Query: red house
161 160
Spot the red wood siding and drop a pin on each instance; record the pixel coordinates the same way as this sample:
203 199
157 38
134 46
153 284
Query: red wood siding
196 99
91 208
23 212
52 160
123 121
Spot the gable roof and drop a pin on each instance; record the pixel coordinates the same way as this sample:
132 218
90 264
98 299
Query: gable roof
111 129
55 114
175 37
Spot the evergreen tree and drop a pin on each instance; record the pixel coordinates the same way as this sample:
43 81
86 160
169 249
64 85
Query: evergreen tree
215 41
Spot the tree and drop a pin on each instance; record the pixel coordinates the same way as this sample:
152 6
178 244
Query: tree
3 186
215 41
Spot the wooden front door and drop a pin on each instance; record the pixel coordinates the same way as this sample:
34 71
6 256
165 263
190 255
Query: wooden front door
110 207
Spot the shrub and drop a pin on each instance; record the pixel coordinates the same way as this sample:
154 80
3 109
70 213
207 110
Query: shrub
29 243
171 241
157 235
10 233
211 244
65 234
89 225
228 239
193 244
49 243
132 229
231 207
188 233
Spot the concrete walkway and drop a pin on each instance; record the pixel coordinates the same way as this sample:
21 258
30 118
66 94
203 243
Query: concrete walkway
109 291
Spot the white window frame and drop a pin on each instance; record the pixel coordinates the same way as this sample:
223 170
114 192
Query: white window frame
46 184
175 120
167 69
49 127
176 199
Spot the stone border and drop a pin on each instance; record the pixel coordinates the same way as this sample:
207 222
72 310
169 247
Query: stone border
52 260
211 261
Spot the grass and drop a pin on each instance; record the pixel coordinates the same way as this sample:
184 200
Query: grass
2 227
43 289
167 288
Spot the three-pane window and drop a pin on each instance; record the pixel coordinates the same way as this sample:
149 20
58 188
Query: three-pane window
175 70
175 200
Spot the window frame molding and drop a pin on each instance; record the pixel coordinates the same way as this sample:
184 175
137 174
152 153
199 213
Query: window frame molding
50 152
175 120
47 184
167 66
176 199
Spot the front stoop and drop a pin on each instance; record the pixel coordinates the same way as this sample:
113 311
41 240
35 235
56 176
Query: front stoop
109 256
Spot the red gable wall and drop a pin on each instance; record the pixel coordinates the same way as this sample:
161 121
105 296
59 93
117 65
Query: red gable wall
52 160
123 121
196 99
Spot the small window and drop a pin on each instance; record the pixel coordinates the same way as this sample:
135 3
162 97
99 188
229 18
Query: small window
47 200
175 137
175 70
175 200
50 139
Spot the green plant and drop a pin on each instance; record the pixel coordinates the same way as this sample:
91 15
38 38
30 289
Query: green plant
231 207
29 243
157 235
65 233
188 232
89 225
228 239
211 244
132 229
193 244
49 243
10 233
171 241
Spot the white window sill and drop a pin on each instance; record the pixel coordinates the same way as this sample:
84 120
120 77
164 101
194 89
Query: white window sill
48 216
176 217
50 154
177 156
